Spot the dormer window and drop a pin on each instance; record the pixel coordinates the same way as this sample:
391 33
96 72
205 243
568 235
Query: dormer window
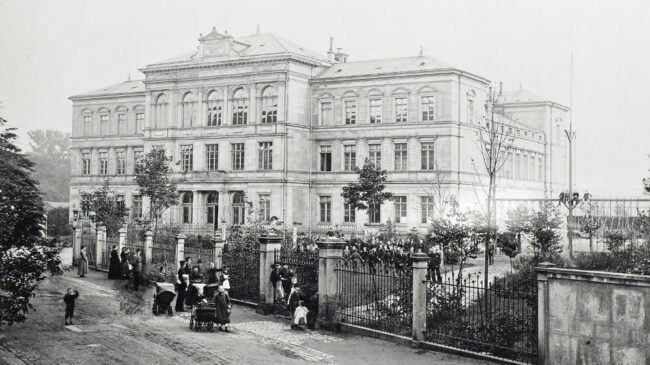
269 105
239 107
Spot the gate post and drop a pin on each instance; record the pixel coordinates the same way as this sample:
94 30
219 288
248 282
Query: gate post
76 242
121 240
100 243
542 312
218 244
330 253
180 249
268 248
148 247
419 264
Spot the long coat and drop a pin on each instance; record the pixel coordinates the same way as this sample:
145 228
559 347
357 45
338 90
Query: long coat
114 269
83 263
222 304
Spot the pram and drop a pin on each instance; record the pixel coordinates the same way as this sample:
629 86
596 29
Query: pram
203 315
162 298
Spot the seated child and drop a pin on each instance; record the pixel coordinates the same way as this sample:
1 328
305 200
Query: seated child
299 320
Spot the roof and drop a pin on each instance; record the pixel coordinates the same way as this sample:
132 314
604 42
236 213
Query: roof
383 66
251 46
521 96
124 87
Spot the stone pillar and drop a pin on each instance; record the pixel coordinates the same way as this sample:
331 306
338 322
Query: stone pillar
76 242
99 245
121 242
148 247
542 313
268 248
218 252
180 249
330 253
419 262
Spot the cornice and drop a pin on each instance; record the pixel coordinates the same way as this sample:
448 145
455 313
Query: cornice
441 71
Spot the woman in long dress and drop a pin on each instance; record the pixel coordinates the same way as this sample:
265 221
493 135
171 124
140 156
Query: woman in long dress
83 262
223 307
114 269
124 263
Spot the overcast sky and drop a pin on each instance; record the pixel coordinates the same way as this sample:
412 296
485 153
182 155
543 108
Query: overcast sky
54 49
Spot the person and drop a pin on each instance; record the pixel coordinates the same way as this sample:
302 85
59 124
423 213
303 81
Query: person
83 262
491 254
160 277
187 269
124 262
277 282
300 316
434 265
114 264
222 308
312 305
211 276
294 298
286 275
226 281
181 287
196 276
137 269
68 299
199 267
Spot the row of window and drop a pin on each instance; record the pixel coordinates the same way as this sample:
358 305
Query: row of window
523 165
239 107
237 153
400 210
375 110
427 156
104 124
211 212
120 162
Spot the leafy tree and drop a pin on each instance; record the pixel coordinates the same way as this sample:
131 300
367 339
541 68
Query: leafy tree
50 154
57 222
109 211
614 240
24 260
518 223
544 226
509 244
368 192
153 176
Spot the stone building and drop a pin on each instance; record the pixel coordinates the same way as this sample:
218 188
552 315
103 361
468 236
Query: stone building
260 120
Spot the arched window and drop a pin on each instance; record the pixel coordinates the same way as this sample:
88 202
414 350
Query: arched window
188 110
187 202
160 112
269 105
238 208
239 107
212 213
215 104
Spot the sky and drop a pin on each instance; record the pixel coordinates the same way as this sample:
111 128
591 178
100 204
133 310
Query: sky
54 49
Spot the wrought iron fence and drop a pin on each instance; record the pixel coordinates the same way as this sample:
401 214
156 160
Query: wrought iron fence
89 241
375 297
500 319
303 265
199 247
243 267
163 251
106 252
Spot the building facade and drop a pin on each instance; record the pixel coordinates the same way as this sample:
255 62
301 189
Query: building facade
258 121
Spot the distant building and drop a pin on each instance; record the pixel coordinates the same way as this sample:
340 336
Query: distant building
263 120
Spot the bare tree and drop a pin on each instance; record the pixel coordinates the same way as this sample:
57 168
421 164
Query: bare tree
439 190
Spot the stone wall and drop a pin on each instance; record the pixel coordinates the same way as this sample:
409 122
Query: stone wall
588 317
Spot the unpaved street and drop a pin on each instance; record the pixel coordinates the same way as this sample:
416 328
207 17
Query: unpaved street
111 329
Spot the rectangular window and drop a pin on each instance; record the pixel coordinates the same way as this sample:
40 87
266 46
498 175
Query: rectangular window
374 154
265 207
325 209
266 156
325 112
428 162
137 159
187 157
350 112
375 111
139 123
85 163
349 213
401 156
401 110
120 162
426 208
103 123
518 167
103 163
269 110
374 213
400 209
121 124
427 105
540 172
136 206
326 158
212 157
349 157
240 111
531 167
88 125
237 156
214 112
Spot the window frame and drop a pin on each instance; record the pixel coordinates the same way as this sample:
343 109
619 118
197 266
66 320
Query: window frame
325 164
428 163
401 162
187 157
325 209
431 111
215 109
375 117
349 157
427 208
103 163
265 155
265 207
120 162
238 156
400 205
350 119
374 154
240 106
212 157
401 117
269 106
330 114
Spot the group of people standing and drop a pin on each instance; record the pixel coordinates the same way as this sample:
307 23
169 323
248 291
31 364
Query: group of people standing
188 274
290 296
124 266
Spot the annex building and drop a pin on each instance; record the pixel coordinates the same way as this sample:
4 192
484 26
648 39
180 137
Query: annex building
258 121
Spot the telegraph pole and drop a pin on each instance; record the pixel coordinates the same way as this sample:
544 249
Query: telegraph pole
570 135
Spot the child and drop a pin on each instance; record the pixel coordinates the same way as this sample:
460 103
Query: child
223 308
69 299
300 316
226 281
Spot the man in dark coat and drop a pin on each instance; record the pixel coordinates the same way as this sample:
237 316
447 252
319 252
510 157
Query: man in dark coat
434 266
68 299
137 269
181 287
114 270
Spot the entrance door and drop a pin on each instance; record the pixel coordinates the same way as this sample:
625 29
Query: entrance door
238 209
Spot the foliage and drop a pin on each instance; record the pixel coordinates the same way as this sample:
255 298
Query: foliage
545 239
24 260
109 211
51 156
518 223
457 235
509 244
387 232
57 222
631 260
642 225
614 240
369 190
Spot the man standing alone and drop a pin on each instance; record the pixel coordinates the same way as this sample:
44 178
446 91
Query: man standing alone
137 269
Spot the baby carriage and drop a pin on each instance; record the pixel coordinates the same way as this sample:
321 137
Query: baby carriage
209 290
203 315
162 298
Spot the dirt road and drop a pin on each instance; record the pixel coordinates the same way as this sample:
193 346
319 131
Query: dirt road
111 329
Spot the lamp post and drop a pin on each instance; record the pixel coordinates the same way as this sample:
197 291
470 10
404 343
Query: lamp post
571 200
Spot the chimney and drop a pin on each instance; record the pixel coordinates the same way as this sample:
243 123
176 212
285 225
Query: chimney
330 52
340 57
